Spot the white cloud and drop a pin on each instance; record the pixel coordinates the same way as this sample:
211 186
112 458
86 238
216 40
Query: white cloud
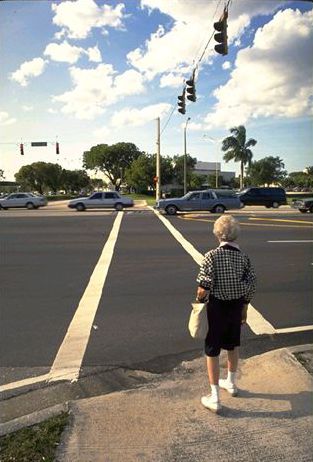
95 89
273 77
27 70
64 52
193 126
102 132
52 111
5 119
76 19
171 80
94 54
183 44
27 108
137 117
226 65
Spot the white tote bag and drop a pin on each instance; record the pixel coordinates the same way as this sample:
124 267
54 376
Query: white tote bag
198 321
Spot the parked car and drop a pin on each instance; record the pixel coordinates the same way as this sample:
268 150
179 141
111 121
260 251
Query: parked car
28 200
110 199
269 197
215 201
304 205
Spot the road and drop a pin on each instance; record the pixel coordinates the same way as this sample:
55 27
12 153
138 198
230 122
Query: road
136 306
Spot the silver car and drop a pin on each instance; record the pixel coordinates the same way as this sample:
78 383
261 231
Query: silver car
215 201
109 199
20 199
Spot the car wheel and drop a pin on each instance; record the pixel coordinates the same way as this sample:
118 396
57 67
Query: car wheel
118 207
80 207
171 210
30 205
275 205
219 209
304 211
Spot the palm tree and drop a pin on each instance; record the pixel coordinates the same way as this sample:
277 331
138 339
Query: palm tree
236 148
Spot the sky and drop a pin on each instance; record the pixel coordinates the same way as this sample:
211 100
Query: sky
86 72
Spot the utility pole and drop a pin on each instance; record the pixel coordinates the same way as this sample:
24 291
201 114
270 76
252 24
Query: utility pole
185 156
158 162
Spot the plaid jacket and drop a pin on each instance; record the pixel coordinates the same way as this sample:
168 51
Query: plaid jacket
228 274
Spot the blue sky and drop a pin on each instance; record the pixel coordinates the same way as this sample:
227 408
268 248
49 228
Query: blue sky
94 71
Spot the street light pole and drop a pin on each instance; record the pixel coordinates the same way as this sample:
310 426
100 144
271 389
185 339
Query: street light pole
185 156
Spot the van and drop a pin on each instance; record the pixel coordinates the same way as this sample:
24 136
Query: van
269 197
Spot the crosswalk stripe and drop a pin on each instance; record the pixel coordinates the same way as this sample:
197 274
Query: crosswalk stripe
69 358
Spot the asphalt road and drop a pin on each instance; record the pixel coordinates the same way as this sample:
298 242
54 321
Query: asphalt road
47 260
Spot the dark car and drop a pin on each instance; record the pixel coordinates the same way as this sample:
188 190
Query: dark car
304 205
269 197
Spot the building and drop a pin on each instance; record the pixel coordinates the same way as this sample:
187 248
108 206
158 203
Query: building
212 168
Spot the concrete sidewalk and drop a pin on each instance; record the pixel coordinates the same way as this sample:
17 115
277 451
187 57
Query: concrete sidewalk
270 420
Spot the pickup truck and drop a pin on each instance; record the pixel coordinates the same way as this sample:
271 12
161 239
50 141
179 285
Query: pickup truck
212 200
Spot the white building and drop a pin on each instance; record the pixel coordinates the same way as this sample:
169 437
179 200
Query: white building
212 168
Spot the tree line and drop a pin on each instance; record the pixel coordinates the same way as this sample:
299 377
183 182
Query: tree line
125 164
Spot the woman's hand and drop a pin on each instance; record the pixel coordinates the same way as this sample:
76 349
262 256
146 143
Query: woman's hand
244 313
201 294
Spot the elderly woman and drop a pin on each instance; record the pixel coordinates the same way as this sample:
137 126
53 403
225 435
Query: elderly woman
227 280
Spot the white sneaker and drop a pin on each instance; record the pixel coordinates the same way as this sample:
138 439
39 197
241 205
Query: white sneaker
230 387
211 403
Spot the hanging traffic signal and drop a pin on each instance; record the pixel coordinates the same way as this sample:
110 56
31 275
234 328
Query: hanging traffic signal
21 149
57 148
191 88
221 37
182 102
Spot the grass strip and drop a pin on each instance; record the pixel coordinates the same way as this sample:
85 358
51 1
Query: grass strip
34 444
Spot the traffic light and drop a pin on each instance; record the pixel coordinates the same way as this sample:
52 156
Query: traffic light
221 37
57 148
182 102
21 149
191 88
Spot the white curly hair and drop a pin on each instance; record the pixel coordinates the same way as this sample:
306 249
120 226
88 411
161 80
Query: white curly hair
226 228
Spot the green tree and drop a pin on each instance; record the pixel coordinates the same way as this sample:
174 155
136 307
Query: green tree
98 183
142 171
237 148
178 162
196 181
266 171
74 180
2 177
112 160
40 176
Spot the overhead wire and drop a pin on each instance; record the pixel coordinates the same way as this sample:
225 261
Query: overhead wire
198 61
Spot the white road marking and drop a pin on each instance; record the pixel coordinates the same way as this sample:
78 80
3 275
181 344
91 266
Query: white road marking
257 323
69 358
297 242
24 382
288 330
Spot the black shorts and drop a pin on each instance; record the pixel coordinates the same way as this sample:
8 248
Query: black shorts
224 319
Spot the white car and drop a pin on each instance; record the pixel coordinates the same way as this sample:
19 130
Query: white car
18 200
110 199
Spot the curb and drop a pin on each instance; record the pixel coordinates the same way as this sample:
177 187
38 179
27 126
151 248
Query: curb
44 414
33 419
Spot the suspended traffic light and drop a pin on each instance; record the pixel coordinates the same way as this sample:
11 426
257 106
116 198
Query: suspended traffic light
191 88
182 102
221 37
57 148
21 149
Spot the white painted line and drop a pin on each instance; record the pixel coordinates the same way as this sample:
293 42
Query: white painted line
257 323
290 241
197 256
24 382
69 358
288 330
